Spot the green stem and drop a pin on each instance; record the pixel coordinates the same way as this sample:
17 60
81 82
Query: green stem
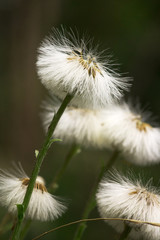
25 229
91 203
40 157
75 149
125 233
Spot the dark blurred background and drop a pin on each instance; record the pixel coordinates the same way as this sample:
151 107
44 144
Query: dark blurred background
131 32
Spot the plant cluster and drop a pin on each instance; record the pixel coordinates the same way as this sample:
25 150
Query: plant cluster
86 108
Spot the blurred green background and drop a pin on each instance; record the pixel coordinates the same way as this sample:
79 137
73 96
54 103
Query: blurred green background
131 32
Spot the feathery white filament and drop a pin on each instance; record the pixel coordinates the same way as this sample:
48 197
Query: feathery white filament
81 126
42 206
128 129
67 66
118 196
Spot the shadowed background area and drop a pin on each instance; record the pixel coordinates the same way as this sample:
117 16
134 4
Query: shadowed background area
131 32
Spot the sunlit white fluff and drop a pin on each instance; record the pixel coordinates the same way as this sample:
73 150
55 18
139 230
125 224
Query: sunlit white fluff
130 130
77 125
121 197
42 206
66 65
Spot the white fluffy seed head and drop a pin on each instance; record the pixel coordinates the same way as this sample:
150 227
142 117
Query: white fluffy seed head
66 65
120 197
77 125
42 206
130 130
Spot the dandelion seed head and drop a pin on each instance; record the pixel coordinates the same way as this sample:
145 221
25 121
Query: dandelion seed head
121 197
77 125
133 133
42 206
66 65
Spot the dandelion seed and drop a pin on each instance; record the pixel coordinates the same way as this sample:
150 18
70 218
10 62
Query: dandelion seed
68 66
121 197
43 206
130 130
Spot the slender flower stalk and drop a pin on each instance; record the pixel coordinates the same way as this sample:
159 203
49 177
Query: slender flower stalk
25 229
136 222
75 149
91 203
125 232
47 143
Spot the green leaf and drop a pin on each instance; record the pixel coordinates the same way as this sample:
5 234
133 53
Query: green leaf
20 209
